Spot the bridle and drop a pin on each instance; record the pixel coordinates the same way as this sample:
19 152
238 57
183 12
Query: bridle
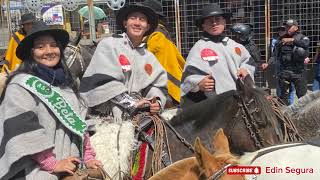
217 175
71 59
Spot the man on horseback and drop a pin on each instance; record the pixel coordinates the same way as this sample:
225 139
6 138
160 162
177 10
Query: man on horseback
123 79
121 67
215 62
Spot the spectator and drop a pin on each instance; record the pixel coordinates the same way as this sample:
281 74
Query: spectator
12 61
160 44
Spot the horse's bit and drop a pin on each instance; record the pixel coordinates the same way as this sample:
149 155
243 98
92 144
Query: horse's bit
250 122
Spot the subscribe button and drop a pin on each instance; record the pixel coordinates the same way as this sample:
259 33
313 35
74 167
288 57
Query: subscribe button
244 170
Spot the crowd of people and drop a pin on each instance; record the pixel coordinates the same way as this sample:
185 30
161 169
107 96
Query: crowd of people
43 107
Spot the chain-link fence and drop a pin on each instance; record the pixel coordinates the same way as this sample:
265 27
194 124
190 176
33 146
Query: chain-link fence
264 15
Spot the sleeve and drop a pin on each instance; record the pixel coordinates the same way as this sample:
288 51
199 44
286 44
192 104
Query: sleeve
46 160
301 41
89 153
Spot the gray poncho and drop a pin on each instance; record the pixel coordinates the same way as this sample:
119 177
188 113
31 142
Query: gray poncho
27 127
116 67
221 59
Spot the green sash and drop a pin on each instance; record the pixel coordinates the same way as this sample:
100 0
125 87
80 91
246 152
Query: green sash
57 104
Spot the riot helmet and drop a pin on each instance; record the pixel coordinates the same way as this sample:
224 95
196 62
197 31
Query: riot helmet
243 32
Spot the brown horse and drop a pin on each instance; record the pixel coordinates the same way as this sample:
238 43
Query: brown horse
204 165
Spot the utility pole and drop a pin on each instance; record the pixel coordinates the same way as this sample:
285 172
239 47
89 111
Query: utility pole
91 20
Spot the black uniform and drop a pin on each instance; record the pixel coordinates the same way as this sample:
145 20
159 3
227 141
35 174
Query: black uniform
291 57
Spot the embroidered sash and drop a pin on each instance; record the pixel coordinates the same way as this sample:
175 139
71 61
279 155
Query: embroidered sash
57 104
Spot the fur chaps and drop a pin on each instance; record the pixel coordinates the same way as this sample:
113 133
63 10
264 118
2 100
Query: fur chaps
113 144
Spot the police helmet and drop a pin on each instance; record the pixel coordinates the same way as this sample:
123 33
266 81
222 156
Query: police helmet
243 32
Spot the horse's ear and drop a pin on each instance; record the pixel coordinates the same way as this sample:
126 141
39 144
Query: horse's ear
248 81
76 40
206 161
198 151
220 142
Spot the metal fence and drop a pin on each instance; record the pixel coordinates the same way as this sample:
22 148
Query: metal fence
264 15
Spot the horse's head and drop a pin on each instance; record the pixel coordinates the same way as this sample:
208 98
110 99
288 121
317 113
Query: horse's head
78 56
258 116
214 166
244 86
204 165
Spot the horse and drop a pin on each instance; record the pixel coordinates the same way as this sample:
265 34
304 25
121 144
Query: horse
281 162
305 114
245 114
203 165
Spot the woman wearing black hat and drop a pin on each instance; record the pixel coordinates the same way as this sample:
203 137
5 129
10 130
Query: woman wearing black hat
43 132
121 66
215 62
12 61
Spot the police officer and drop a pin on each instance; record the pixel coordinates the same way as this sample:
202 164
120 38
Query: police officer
292 52
244 35
215 62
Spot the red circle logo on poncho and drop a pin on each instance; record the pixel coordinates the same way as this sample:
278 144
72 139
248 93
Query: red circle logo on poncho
148 69
209 55
125 64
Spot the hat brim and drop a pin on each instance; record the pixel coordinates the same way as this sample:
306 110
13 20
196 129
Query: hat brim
24 48
199 21
125 11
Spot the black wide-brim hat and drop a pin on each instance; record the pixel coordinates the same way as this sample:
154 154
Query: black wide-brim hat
209 11
40 28
155 5
137 7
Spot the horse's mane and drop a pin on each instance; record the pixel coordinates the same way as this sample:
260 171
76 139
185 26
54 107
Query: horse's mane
201 110
212 107
262 102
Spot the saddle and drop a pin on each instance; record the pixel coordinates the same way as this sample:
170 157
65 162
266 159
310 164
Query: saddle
88 174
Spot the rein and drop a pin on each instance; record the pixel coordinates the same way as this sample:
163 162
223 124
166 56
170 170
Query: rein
217 175
183 140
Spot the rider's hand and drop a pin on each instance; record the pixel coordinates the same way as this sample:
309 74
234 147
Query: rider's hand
155 106
67 165
141 103
242 73
93 164
264 66
306 60
207 83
